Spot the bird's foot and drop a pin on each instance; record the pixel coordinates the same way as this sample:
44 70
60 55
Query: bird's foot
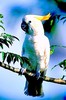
22 71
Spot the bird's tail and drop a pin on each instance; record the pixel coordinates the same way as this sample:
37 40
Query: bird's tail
33 86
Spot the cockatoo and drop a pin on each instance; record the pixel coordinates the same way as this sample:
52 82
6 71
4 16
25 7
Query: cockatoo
36 48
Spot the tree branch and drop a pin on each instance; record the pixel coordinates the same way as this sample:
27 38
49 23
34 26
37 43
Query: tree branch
29 74
16 70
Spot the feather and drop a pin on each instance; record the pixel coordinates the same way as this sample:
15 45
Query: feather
36 48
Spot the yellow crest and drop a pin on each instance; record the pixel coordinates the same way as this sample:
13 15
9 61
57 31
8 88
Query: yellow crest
41 18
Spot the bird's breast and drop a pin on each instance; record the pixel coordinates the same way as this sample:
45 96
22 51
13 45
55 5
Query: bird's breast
34 49
35 45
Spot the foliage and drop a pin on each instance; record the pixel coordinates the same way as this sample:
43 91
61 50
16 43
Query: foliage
62 64
11 57
63 18
53 48
1 16
6 39
1 22
50 23
61 4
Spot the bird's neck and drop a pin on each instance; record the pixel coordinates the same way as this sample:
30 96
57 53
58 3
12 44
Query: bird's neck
36 29
38 33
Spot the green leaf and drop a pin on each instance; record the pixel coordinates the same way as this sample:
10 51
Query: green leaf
26 60
11 37
51 22
3 56
1 45
1 16
11 56
52 49
10 42
21 60
64 21
15 57
62 64
63 76
54 67
6 43
1 21
21 64
8 36
7 39
63 18
15 38
2 27
9 59
58 16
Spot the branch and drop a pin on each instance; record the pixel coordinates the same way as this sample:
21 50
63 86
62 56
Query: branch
16 70
29 74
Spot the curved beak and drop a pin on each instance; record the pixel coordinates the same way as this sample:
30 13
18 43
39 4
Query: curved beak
24 26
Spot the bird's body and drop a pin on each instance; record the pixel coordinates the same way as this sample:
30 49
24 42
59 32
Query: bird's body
36 48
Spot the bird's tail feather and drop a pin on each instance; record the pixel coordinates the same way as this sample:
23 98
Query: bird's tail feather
33 88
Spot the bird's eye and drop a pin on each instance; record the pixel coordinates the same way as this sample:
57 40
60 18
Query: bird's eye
29 21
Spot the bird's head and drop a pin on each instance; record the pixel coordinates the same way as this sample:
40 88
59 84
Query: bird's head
32 24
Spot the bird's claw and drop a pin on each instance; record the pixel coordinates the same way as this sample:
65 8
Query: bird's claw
22 70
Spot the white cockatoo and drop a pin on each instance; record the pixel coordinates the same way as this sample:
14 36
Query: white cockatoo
36 48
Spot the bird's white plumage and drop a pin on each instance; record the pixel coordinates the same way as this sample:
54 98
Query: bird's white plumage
36 48
36 44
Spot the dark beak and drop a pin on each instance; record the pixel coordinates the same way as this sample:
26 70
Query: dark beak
24 26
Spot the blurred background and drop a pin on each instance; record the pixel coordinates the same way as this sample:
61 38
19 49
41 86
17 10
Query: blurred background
11 84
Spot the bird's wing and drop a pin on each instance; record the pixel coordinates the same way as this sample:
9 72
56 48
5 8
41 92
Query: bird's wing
23 50
47 53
